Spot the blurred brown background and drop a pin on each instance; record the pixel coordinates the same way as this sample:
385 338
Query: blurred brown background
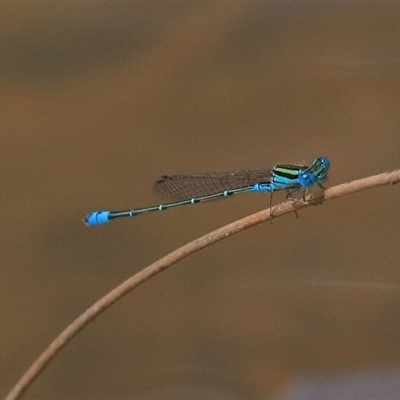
98 100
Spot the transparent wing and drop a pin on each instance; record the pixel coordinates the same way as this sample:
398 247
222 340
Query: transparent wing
180 187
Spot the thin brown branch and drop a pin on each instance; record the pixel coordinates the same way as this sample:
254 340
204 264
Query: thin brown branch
92 312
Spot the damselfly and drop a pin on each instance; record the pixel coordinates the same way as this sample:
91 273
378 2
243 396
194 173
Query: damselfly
196 188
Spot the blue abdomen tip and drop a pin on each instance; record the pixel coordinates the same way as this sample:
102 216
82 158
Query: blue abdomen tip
97 217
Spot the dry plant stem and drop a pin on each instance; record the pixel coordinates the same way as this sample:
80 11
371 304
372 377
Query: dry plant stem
91 313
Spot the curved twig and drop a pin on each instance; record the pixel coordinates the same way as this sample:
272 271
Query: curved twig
92 312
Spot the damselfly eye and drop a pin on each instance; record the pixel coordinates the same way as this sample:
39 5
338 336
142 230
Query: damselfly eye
306 179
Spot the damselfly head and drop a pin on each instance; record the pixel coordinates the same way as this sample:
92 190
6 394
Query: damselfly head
323 161
319 168
315 173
